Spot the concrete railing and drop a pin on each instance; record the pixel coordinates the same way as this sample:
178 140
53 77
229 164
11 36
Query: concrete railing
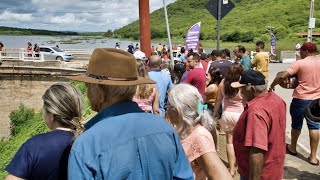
21 54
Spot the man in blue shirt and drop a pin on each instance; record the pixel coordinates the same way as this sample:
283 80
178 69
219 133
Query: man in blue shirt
163 80
240 52
122 141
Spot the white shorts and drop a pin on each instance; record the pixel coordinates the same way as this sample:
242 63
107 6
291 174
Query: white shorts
229 120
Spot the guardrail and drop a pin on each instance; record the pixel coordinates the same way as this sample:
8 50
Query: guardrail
21 54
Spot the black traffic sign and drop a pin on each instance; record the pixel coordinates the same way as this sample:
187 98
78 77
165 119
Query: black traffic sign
212 7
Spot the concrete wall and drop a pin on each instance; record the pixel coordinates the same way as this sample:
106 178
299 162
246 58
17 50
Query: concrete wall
15 90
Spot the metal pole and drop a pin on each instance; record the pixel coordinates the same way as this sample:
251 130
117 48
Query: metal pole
311 16
145 34
168 31
219 24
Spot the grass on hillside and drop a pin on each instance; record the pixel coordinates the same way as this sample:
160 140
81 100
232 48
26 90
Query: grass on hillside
26 123
246 22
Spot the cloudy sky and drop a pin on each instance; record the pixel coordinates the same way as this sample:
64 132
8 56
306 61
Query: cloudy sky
74 15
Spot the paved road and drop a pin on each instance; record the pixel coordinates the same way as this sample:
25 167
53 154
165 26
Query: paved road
286 94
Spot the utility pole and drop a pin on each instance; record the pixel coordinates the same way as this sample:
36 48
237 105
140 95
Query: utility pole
311 22
219 24
168 31
145 34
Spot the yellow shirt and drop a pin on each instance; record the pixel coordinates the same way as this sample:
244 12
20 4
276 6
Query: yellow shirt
261 61
159 48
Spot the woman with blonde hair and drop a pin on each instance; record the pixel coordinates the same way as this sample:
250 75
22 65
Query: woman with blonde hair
45 156
233 105
192 122
147 96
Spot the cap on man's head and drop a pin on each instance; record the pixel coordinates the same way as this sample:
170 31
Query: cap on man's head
139 55
249 77
203 56
309 46
179 68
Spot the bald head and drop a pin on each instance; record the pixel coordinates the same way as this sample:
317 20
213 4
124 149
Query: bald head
155 61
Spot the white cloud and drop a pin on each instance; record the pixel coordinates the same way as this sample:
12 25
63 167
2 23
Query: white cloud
76 15
67 19
9 16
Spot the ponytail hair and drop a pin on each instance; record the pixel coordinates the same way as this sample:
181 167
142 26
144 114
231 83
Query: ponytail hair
66 103
184 98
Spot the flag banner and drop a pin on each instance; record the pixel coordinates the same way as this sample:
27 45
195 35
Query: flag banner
273 45
192 37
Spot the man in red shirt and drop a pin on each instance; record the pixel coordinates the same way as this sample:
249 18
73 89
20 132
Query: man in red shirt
196 76
259 136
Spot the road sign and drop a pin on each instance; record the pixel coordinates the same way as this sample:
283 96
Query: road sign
226 7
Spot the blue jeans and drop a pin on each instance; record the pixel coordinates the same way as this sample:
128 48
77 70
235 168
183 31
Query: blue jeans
297 114
242 178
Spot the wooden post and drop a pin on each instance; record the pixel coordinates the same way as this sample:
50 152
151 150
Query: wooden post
145 34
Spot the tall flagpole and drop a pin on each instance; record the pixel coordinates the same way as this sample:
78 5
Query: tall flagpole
219 24
310 25
168 31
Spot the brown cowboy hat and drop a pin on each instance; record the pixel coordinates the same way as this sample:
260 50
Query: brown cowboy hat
112 67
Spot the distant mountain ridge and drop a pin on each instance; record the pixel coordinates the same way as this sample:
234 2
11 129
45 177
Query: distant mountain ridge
23 31
247 21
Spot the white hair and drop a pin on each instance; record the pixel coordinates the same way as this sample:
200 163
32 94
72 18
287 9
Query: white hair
258 88
184 98
123 92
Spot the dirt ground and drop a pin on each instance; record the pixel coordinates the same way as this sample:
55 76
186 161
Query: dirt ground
223 153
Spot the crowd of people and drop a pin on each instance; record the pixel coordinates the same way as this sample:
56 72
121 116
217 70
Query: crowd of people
158 123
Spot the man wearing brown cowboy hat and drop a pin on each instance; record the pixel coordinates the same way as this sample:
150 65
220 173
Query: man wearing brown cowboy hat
122 141
308 89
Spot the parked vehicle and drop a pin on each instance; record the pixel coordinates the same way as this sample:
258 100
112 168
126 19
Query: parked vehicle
54 53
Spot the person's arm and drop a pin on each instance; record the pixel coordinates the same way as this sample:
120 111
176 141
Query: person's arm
256 161
218 101
280 77
254 61
12 177
77 168
155 105
188 79
210 89
213 167
182 169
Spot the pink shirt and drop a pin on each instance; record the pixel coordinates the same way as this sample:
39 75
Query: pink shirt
308 72
198 143
235 104
146 104
262 125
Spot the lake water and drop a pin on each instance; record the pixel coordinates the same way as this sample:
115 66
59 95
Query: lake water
83 42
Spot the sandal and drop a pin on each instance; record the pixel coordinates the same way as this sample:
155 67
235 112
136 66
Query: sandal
312 163
289 152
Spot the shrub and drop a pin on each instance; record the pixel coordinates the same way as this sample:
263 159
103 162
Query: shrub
19 119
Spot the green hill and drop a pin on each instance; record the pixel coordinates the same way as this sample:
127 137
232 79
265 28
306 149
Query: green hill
247 22
21 31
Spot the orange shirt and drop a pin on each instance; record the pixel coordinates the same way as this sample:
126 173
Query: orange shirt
308 72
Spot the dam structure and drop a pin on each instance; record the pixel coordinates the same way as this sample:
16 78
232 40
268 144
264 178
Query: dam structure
24 82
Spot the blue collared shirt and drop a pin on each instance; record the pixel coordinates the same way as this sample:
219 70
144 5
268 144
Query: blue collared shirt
123 142
164 83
